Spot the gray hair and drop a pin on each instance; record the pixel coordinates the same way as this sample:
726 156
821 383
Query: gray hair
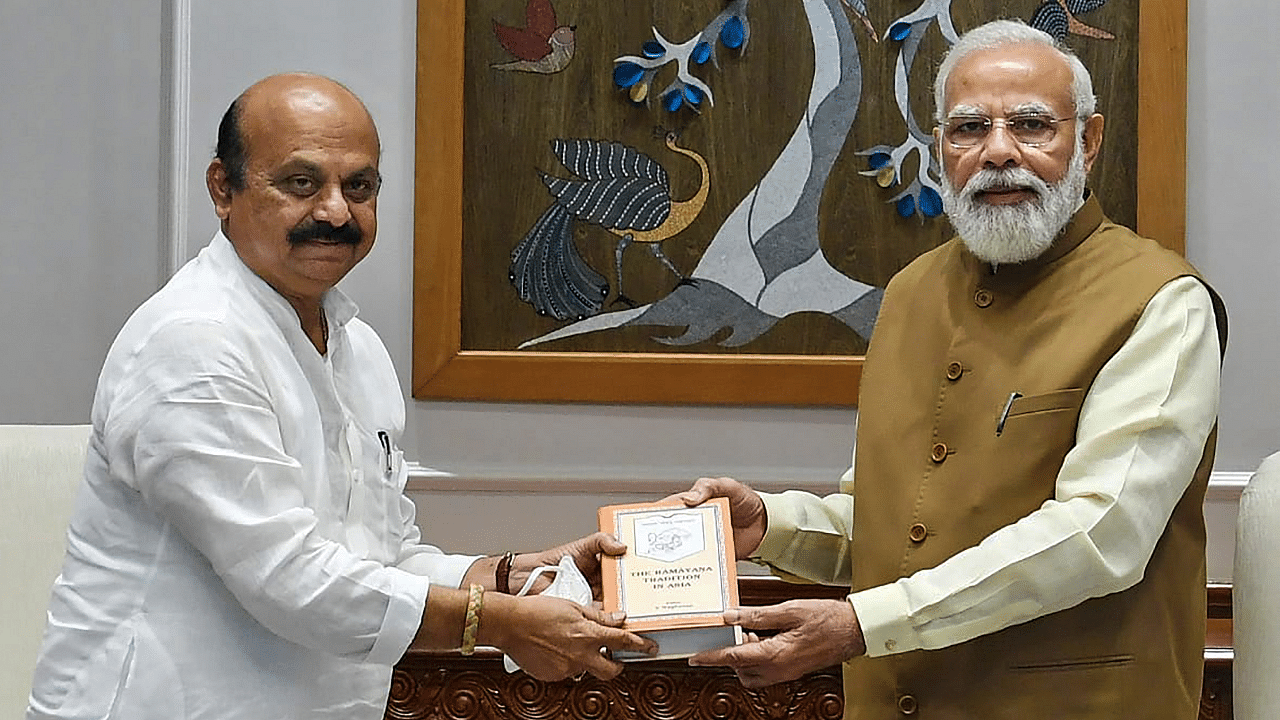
1003 33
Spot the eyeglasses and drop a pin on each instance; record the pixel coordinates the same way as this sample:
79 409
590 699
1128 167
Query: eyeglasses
1033 129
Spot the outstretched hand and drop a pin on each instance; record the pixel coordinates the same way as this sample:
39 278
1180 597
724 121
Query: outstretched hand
814 634
553 639
585 552
746 510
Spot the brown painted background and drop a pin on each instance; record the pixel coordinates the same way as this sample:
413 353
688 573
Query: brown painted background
510 119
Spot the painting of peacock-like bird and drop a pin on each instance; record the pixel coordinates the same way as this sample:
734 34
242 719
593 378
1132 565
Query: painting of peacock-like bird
617 188
764 262
1058 18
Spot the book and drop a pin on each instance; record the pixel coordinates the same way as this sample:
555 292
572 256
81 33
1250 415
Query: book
677 577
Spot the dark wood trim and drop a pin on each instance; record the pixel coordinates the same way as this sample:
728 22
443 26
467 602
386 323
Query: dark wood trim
1219 601
759 590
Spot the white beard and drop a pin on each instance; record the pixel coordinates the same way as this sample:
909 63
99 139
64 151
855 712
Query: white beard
1001 234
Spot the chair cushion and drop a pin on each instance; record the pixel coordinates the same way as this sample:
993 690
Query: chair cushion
1256 596
40 469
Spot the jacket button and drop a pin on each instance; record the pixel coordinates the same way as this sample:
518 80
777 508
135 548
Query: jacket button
982 298
907 705
939 453
918 533
954 371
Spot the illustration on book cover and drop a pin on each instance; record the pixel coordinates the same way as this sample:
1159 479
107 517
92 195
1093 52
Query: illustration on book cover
670 537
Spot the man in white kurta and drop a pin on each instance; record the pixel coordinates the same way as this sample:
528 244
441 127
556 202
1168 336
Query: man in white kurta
214 382
241 546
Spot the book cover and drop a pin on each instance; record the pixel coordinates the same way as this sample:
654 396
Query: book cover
677 577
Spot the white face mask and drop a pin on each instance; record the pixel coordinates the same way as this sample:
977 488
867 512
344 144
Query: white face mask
569 584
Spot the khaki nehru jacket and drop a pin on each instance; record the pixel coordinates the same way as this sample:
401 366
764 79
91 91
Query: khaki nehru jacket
947 459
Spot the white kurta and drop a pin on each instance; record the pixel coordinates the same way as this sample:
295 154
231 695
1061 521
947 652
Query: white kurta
241 546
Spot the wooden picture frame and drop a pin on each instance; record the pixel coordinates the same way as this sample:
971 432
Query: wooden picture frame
443 369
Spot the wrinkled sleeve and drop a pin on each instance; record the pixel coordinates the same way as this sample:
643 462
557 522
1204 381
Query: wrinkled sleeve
809 538
1141 433
193 431
423 559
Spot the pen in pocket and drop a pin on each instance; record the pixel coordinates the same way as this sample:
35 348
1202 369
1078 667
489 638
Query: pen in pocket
1005 415
385 440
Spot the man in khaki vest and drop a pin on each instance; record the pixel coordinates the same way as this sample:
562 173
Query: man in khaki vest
1022 526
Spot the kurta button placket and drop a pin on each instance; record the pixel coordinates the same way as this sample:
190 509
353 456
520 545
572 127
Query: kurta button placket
954 370
907 705
355 455
939 453
918 533
983 298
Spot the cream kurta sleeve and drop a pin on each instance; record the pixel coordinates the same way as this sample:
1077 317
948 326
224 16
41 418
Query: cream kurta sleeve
810 537
1140 436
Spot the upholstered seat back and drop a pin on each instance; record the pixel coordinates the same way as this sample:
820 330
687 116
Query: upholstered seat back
40 469
1256 596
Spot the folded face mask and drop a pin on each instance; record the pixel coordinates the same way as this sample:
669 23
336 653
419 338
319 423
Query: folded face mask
569 584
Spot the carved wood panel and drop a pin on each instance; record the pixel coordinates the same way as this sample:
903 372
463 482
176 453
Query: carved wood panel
448 686
1215 696
439 687
457 688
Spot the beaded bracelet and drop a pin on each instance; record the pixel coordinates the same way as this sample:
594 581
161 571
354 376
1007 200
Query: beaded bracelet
475 601
502 573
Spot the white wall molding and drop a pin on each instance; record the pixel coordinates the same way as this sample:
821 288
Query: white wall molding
1226 486
1223 486
448 501
583 480
176 180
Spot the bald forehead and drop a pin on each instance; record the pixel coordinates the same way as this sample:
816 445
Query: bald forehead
296 103
1017 66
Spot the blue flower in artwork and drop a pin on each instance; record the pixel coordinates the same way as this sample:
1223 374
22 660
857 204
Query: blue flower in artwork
636 73
878 160
702 52
680 93
627 74
900 31
733 33
930 202
906 206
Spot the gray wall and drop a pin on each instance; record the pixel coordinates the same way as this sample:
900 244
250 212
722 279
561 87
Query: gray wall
109 122
80 84
1233 115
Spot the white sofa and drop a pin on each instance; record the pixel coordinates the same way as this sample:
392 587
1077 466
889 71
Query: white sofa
1256 597
40 470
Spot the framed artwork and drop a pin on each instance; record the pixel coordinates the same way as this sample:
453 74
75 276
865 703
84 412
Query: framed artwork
701 202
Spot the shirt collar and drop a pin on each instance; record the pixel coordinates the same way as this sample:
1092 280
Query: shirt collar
339 308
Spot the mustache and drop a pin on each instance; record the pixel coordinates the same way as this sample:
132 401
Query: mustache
997 179
310 230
